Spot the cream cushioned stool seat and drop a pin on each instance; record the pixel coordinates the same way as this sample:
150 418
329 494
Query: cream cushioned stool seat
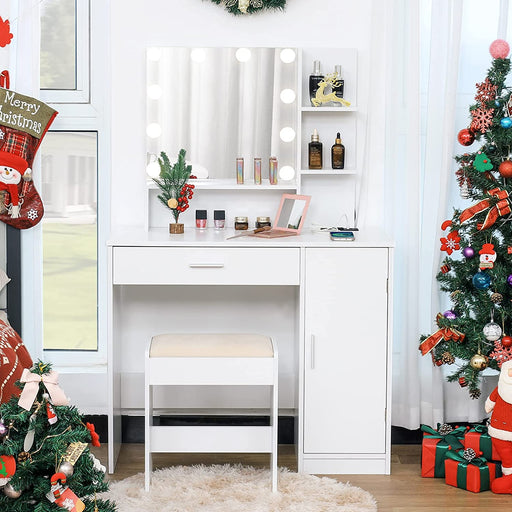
213 360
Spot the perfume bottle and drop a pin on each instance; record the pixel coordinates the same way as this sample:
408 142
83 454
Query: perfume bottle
315 152
339 87
338 153
314 79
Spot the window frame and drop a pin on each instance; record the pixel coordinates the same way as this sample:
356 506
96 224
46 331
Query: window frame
81 93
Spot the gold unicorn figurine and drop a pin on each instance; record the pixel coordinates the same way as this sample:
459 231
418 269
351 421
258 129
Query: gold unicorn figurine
320 97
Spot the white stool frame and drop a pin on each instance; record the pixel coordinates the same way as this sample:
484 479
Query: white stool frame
211 371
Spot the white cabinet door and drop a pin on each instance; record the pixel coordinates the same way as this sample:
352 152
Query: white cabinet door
345 350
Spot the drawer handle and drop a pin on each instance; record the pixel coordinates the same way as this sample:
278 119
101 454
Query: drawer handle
206 265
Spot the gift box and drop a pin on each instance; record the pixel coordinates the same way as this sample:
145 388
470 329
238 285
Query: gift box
475 475
478 439
434 447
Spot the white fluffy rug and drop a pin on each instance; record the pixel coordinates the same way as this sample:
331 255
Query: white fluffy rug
236 488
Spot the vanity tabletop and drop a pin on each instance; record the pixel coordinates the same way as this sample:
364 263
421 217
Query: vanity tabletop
138 236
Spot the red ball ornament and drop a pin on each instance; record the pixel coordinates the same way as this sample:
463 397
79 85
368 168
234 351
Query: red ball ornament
499 49
506 169
466 137
506 341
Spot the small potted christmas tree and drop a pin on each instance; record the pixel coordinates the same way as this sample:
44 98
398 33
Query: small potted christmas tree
175 191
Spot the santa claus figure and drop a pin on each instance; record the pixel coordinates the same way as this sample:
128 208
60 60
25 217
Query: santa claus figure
487 256
500 427
12 169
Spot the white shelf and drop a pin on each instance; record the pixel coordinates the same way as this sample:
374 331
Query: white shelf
231 184
329 109
330 172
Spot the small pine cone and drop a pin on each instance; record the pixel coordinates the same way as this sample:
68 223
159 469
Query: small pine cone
447 358
469 454
475 393
445 429
497 298
23 456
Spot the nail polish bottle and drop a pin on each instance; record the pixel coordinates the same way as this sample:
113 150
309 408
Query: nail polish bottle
201 217
314 79
338 154
219 219
315 152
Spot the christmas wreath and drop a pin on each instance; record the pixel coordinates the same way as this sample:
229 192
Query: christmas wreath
250 6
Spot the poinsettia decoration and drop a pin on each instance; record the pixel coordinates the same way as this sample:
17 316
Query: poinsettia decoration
450 243
5 32
250 6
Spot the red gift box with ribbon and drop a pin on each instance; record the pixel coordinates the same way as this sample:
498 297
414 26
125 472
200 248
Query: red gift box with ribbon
434 447
475 475
478 439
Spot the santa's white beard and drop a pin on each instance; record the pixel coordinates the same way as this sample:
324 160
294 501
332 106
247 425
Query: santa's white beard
505 383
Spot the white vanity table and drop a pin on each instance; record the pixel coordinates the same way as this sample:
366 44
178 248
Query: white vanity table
340 296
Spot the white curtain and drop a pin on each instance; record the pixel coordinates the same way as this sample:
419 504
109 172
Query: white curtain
419 141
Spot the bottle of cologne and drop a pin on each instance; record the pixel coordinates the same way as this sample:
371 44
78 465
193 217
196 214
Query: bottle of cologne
339 88
314 79
315 152
338 154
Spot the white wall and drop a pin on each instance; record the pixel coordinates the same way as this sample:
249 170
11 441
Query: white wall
134 27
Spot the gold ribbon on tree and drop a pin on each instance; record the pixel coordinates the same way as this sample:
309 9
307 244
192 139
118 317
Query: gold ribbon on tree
444 333
32 381
501 208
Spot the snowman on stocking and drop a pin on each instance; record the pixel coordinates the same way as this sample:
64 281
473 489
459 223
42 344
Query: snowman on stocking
24 122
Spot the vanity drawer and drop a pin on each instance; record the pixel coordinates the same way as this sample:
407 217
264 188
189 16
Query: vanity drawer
205 265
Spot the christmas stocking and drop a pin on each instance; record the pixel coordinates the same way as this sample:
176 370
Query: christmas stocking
24 122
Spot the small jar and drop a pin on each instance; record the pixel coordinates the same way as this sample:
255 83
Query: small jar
262 222
201 217
219 219
241 223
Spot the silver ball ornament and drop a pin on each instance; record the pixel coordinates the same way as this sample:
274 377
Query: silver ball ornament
492 331
66 468
11 492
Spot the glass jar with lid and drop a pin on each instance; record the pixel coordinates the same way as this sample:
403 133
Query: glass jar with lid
262 222
241 223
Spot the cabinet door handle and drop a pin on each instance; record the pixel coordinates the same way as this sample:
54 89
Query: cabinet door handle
312 355
206 265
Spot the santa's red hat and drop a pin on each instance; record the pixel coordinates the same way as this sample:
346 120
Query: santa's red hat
14 161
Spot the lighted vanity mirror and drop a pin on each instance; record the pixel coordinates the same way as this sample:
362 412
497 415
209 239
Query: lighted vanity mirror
220 104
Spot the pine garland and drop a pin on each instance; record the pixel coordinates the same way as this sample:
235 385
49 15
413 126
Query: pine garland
237 7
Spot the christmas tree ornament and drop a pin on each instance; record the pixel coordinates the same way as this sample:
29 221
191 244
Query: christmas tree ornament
500 353
445 268
3 428
465 191
462 382
482 162
481 281
485 91
506 341
447 358
509 280
23 456
7 468
466 137
450 314
494 211
487 256
468 252
475 393
32 381
506 122
479 362
66 468
491 149
95 438
73 452
50 412
505 169
449 243
497 298
492 331
444 333
509 249
250 6
64 496
482 119
11 492
438 362
499 49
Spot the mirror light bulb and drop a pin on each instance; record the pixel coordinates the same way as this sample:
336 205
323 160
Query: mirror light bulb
287 95
287 134
153 130
154 54
243 54
286 173
198 55
153 169
287 55
154 91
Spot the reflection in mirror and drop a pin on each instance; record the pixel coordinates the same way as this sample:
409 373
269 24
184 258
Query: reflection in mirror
291 213
220 104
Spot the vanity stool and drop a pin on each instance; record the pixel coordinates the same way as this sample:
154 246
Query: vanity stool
211 360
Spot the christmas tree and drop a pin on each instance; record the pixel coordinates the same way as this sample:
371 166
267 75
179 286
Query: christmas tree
45 462
477 270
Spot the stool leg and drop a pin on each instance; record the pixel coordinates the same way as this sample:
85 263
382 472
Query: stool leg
148 423
274 421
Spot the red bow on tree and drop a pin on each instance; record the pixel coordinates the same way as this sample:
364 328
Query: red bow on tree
501 208
95 438
446 333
